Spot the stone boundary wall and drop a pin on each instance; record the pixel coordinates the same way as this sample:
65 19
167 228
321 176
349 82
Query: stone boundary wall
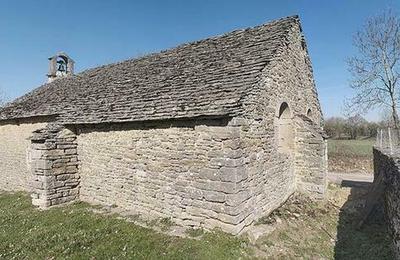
14 144
54 166
387 167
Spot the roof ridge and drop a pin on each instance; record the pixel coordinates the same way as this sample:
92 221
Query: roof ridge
294 18
276 51
204 77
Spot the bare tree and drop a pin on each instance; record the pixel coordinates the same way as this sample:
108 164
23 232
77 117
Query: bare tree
335 127
375 70
355 125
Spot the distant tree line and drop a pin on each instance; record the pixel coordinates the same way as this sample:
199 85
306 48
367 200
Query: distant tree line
352 128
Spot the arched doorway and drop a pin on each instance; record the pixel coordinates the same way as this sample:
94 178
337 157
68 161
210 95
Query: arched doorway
285 129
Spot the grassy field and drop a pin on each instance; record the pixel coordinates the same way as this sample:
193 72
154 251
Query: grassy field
303 230
350 155
351 147
76 232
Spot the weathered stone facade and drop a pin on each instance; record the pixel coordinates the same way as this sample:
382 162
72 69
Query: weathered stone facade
216 133
14 155
289 80
311 158
387 169
190 171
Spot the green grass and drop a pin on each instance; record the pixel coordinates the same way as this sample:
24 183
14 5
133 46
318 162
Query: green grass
351 147
195 232
308 230
350 156
75 232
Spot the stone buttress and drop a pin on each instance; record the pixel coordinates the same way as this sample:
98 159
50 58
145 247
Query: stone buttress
54 166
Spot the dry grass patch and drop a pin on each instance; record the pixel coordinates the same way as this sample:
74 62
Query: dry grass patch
325 230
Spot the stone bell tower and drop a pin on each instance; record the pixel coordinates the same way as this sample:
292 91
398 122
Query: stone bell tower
60 65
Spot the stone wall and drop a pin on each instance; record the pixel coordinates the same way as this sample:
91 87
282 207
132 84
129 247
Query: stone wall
14 144
189 171
270 174
387 168
54 166
207 173
311 162
289 80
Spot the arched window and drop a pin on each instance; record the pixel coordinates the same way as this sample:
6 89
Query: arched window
309 113
285 129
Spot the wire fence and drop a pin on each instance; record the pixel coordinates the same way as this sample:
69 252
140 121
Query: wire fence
388 138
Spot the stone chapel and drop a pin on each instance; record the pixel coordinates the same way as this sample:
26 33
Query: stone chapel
213 133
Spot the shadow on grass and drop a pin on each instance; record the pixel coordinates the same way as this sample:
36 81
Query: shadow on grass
372 240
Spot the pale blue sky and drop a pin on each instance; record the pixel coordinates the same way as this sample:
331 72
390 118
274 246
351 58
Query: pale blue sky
100 32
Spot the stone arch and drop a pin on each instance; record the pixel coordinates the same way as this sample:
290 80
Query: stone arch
285 129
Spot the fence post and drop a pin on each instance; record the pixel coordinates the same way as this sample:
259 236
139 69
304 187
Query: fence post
377 138
390 141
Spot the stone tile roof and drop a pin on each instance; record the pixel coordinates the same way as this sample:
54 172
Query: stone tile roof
204 78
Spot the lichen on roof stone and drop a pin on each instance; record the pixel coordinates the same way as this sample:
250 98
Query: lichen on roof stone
205 78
